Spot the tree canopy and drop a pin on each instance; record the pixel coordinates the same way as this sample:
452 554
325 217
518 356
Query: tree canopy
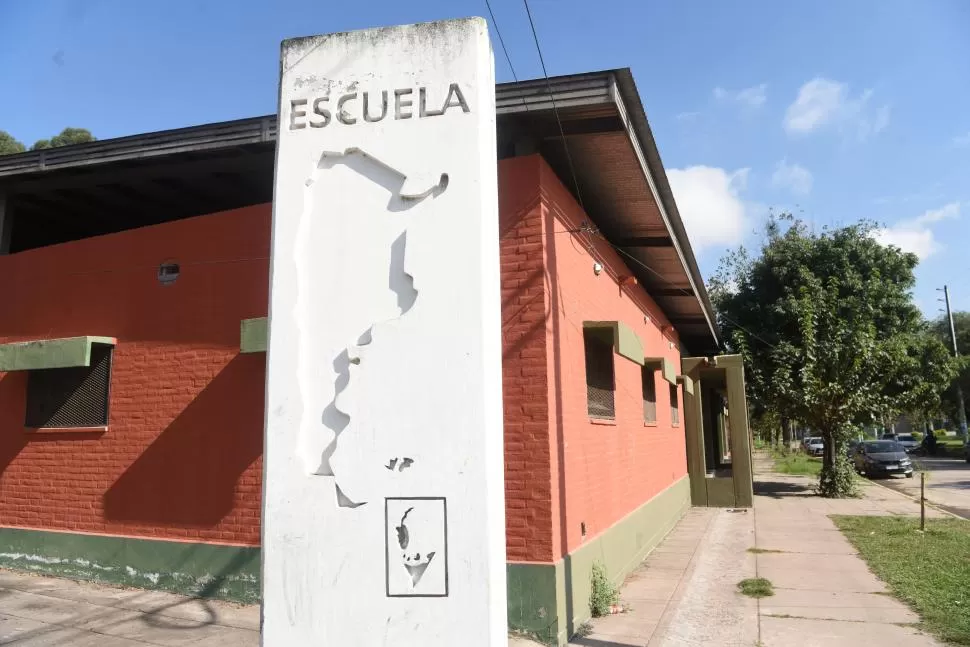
829 333
940 327
66 137
9 145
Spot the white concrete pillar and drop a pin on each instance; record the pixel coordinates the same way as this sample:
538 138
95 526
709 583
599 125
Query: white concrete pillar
383 513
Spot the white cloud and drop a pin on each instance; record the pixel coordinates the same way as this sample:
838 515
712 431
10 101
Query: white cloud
687 116
709 203
947 211
962 140
916 234
797 179
753 97
826 103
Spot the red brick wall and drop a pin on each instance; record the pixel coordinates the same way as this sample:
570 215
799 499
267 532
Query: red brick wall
609 469
530 534
181 457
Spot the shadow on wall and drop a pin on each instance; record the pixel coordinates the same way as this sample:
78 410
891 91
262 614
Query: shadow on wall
188 476
13 393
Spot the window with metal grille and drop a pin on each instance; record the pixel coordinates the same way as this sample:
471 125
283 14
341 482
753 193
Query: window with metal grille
647 377
598 343
674 406
64 398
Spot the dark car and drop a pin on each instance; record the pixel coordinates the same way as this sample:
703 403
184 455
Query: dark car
882 458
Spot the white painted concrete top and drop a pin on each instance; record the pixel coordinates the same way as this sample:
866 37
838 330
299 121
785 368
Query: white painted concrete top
383 517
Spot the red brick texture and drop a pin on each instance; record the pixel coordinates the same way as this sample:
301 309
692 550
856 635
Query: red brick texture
181 456
528 479
562 470
608 470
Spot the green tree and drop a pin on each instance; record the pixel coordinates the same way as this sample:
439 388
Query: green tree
9 145
829 332
70 136
941 329
41 144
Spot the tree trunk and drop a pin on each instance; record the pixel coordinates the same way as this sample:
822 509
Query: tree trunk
836 479
786 432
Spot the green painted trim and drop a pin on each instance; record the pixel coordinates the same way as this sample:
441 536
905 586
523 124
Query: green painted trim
625 341
253 335
741 463
720 492
665 366
49 353
688 384
206 570
535 606
620 549
694 438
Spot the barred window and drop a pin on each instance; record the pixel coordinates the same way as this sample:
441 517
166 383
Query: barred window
674 406
598 343
64 398
648 378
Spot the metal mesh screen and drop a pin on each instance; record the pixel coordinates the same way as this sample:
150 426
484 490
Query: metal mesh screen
649 394
599 372
71 397
674 406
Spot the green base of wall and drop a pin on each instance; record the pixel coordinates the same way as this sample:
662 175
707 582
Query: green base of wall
551 601
223 572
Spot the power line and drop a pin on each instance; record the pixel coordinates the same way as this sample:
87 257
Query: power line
555 108
501 40
686 292
579 195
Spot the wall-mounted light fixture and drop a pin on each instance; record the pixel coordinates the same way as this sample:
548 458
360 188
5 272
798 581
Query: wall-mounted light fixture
597 268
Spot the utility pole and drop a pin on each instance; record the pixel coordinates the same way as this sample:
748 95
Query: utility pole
961 412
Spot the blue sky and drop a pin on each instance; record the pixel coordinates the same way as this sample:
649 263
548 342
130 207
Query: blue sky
835 110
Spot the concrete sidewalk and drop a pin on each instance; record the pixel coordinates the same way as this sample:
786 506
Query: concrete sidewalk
48 612
685 593
42 611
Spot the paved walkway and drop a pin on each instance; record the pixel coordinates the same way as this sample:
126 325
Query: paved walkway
42 611
685 593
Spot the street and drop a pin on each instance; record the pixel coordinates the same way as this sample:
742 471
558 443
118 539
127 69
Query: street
947 483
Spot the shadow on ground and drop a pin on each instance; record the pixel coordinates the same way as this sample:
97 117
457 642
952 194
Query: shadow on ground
781 489
595 642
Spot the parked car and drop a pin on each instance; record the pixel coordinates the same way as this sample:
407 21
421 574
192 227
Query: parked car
882 458
889 435
814 446
908 441
966 451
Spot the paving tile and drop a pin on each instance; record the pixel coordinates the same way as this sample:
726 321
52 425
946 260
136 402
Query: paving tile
34 606
837 605
797 632
13 627
56 636
155 630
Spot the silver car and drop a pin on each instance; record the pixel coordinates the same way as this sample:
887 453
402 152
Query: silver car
814 446
908 442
